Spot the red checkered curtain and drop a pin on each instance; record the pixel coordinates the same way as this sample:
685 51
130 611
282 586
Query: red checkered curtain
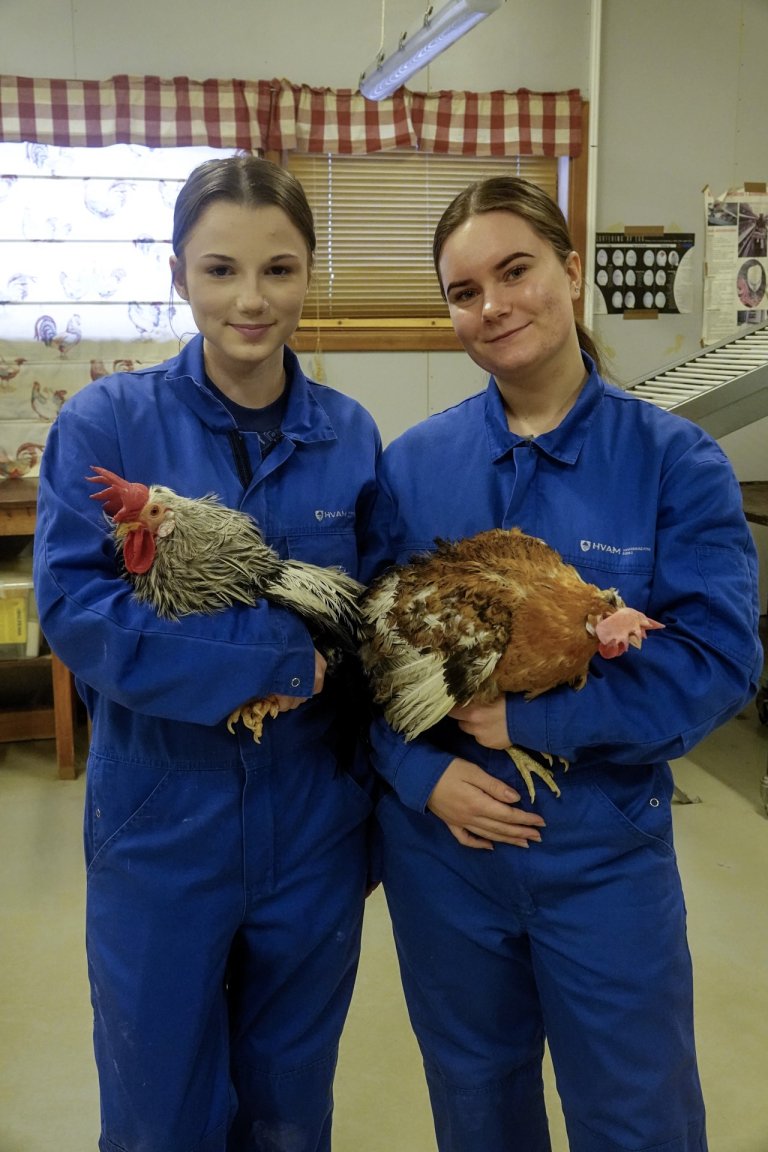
338 120
261 115
136 110
498 123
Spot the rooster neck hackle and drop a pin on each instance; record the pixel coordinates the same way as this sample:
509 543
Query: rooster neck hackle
214 556
209 556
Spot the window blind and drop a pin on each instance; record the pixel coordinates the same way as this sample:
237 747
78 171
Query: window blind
375 217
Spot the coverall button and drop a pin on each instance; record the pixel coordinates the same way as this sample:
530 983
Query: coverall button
295 682
654 803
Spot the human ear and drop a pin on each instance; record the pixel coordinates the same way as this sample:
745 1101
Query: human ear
573 272
177 277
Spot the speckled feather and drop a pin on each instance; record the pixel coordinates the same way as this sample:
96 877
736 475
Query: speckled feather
497 612
215 556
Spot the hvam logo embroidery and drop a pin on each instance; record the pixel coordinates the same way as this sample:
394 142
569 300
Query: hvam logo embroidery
588 545
323 514
611 549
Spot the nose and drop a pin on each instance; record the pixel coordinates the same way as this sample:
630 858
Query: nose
251 297
494 304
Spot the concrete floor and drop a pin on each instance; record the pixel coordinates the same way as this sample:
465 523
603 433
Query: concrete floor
48 1094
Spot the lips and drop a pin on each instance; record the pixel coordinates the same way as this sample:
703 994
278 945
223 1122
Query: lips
250 331
507 335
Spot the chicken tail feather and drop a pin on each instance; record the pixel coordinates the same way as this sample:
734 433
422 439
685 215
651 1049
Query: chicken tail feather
324 597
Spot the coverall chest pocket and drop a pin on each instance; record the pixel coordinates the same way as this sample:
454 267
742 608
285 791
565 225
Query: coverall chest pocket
331 546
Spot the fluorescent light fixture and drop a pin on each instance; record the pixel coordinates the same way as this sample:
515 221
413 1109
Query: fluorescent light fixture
417 47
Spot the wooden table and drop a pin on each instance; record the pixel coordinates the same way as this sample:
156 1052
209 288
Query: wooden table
18 513
754 496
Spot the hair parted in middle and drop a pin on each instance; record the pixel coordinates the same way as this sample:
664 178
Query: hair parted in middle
526 200
245 180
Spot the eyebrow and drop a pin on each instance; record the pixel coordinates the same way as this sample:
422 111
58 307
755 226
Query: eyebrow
496 268
223 256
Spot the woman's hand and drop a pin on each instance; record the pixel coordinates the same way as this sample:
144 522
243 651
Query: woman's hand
486 722
480 809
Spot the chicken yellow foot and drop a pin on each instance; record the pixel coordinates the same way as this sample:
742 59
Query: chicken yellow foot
253 715
528 767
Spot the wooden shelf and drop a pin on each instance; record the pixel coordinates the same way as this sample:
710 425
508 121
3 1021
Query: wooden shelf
18 513
754 495
27 724
20 721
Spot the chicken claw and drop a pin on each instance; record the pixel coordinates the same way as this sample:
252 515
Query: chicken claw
528 767
253 714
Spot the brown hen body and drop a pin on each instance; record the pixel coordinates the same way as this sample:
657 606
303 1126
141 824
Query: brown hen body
497 612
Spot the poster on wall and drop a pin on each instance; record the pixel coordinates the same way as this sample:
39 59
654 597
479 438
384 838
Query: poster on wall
735 261
642 273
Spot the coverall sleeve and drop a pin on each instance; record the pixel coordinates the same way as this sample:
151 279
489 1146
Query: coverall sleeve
198 668
657 703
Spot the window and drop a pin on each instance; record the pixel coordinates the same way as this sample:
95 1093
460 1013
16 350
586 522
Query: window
374 281
71 257
85 230
85 239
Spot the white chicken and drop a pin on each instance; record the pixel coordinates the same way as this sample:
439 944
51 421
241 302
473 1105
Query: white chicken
184 556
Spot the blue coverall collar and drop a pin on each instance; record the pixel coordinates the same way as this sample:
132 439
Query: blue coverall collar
305 419
563 443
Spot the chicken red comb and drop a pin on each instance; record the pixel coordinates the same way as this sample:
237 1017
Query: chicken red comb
121 499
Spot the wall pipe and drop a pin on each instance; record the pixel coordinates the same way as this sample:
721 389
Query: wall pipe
595 25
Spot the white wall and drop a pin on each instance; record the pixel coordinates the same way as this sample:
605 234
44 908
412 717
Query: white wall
680 106
325 43
679 109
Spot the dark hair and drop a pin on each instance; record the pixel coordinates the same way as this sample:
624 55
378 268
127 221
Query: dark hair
245 180
523 199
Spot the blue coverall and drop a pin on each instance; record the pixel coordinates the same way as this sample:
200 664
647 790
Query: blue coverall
226 878
580 939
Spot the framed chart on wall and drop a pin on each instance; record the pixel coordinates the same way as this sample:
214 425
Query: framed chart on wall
641 273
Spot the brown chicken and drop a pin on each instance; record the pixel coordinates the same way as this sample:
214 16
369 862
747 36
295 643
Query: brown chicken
185 556
497 612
